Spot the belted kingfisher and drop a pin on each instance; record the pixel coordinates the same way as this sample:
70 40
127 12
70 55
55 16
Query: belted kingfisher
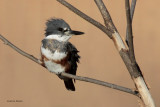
57 54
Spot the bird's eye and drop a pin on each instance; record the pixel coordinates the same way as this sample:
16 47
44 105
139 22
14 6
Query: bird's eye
60 29
65 30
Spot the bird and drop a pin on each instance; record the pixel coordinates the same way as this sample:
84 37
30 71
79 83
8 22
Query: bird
57 53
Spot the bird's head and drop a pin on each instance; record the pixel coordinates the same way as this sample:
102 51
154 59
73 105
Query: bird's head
58 29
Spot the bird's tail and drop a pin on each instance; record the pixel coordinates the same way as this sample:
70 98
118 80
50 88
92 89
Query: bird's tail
69 84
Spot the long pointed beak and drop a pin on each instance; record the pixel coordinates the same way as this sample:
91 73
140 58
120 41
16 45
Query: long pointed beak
73 32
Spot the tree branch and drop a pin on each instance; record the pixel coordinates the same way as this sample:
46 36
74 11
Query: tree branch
106 84
122 48
109 25
86 79
106 16
19 50
140 81
129 32
133 5
86 17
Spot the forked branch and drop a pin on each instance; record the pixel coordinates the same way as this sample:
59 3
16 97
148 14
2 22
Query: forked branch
106 16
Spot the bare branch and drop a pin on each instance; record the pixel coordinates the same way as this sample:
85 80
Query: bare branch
129 32
19 50
139 81
106 16
86 79
110 85
133 5
86 17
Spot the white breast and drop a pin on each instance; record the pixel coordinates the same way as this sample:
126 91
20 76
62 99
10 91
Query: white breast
54 56
51 65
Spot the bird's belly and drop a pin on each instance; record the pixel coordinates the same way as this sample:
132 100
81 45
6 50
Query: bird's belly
54 67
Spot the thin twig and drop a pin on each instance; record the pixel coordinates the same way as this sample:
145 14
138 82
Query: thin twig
133 5
129 32
86 79
19 50
106 16
106 84
86 17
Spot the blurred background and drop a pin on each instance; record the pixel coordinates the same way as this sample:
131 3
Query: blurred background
23 22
